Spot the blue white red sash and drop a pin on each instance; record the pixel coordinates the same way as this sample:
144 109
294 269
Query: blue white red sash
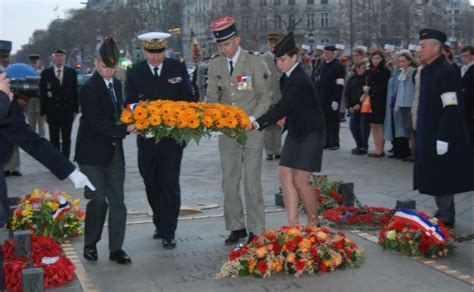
415 220
64 206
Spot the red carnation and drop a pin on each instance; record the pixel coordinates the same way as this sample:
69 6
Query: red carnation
324 268
298 239
234 254
348 253
424 248
290 246
276 247
262 267
339 244
299 265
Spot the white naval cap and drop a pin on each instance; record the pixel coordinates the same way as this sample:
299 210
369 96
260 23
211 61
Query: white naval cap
364 48
340 47
154 41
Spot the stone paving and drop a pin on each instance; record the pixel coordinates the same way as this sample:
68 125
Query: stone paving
200 252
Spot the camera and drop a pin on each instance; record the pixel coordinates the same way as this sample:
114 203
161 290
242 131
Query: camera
27 86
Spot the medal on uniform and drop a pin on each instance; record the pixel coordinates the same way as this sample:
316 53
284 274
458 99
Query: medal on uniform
175 80
244 82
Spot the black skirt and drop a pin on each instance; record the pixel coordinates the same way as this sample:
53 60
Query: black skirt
304 153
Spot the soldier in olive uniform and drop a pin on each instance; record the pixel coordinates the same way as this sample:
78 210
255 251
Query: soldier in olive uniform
272 134
238 77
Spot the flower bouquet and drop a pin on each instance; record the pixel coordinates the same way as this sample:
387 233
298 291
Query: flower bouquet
415 234
365 218
50 214
45 253
293 250
186 121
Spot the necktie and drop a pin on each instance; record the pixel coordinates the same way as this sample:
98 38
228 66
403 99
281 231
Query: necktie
231 64
59 76
155 70
114 98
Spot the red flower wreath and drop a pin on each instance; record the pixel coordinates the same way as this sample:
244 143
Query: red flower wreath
56 274
361 218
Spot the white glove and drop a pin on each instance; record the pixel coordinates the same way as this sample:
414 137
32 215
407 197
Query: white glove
441 147
80 180
334 105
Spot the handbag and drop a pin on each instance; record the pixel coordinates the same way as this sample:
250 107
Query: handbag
365 100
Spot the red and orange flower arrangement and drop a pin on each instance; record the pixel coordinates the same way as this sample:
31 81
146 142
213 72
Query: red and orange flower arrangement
411 240
327 193
46 253
365 218
293 250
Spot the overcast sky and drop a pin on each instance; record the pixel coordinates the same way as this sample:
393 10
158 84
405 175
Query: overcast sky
20 18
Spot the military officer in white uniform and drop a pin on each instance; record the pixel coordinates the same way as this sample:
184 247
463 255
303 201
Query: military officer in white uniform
239 77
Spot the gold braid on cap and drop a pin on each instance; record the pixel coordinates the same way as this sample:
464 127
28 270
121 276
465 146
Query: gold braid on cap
155 44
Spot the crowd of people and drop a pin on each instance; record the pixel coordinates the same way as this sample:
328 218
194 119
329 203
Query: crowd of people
419 99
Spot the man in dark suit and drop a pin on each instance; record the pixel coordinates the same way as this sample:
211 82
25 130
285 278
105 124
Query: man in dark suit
59 103
329 85
159 163
99 153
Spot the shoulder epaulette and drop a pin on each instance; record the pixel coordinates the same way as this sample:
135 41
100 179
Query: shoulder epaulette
215 56
254 53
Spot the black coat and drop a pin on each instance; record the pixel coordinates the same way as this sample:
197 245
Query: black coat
299 103
468 96
450 173
353 90
18 132
173 83
4 106
327 87
377 80
99 130
58 101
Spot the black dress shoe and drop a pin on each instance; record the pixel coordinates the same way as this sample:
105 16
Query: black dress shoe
16 173
251 237
235 236
169 243
269 157
121 257
90 253
156 234
277 156
335 147
7 173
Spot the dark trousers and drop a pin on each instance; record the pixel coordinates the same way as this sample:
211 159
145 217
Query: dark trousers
332 133
4 206
446 211
360 129
401 147
160 165
109 191
61 128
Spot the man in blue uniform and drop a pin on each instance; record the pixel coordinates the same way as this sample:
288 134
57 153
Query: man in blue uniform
159 77
443 165
329 80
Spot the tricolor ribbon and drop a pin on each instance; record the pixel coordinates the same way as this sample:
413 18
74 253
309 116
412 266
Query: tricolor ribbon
64 206
131 106
415 220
